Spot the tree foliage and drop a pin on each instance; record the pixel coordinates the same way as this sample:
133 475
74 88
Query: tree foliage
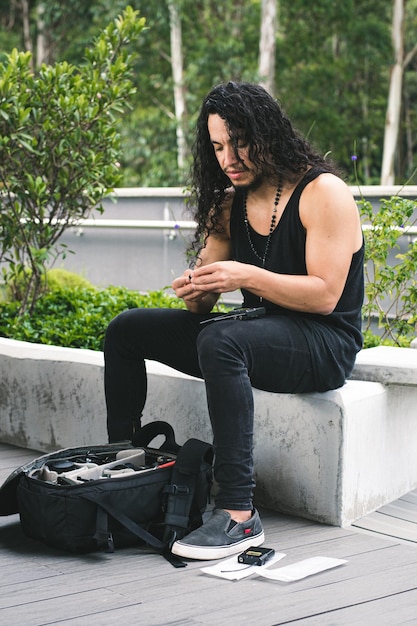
333 63
59 148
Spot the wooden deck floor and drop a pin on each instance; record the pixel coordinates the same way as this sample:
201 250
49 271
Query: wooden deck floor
40 586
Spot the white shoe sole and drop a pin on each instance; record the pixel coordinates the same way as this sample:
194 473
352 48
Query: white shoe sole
209 553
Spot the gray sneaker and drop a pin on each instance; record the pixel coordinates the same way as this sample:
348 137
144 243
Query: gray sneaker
220 537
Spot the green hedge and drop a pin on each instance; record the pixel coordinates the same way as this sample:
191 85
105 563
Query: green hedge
76 317
74 314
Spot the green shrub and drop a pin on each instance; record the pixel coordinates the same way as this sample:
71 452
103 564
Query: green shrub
51 280
76 317
59 149
58 278
390 285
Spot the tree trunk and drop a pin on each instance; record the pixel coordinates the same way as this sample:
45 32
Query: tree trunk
26 28
392 120
408 134
267 45
178 77
41 54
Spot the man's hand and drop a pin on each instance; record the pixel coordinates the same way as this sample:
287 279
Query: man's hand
183 287
197 300
218 277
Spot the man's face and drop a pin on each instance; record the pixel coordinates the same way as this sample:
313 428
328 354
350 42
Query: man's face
237 167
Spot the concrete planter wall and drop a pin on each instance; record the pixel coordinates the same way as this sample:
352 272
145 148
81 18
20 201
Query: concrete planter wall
332 457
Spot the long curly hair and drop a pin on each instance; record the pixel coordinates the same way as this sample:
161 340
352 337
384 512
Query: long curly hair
254 117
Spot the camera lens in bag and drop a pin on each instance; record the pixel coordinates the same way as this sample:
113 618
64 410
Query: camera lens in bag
61 465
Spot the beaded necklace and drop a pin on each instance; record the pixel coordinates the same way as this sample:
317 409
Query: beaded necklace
271 228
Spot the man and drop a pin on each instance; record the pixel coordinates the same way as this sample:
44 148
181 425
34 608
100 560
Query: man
275 221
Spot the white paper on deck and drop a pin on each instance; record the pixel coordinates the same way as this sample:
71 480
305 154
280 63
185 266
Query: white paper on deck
300 570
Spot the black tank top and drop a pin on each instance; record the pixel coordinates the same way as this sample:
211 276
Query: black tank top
286 255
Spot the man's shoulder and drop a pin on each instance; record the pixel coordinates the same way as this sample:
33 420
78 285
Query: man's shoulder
328 183
326 198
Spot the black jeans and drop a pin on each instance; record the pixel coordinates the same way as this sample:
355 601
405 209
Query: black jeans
269 353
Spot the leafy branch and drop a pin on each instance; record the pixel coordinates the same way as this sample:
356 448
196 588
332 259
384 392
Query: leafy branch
59 149
391 285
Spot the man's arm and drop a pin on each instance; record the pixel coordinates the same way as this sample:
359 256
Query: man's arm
333 233
218 247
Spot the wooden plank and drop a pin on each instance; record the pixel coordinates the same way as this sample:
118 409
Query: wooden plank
128 566
7 449
40 585
382 524
137 576
12 458
250 601
410 497
313 596
400 509
384 612
53 611
124 567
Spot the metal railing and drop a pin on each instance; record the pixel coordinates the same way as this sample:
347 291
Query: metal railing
145 224
178 225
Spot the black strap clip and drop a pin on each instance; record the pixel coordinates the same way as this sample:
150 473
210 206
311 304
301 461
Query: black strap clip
176 490
105 539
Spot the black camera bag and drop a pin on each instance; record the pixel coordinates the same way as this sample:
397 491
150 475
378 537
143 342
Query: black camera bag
152 507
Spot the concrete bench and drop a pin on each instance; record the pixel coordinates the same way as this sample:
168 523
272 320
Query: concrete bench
331 457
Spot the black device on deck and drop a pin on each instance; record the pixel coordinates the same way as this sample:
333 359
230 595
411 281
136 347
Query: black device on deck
256 556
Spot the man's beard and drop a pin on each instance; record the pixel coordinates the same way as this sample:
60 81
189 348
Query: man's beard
253 185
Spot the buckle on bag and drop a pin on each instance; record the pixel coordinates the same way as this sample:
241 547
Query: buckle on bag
105 540
176 490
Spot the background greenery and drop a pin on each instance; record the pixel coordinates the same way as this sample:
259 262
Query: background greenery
333 63
59 149
332 76
73 313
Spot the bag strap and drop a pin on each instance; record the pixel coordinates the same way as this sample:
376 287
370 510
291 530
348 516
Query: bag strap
182 489
105 538
148 432
102 534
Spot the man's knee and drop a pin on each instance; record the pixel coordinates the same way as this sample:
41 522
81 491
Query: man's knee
119 328
215 346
